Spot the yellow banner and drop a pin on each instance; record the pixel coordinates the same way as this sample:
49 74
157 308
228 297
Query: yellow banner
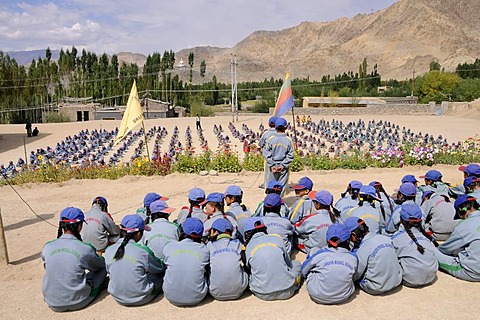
133 115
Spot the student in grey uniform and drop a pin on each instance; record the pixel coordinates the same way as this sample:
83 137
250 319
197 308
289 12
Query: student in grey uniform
386 206
304 205
273 187
472 187
147 200
273 276
439 213
196 196
349 198
311 231
367 209
411 178
378 269
66 285
215 209
329 271
472 170
100 229
433 180
460 254
161 230
135 272
414 248
275 223
186 279
228 280
406 194
262 143
278 154
233 199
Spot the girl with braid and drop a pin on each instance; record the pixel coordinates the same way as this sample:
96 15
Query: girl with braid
66 285
236 209
194 210
415 248
136 274
387 206
215 209
368 210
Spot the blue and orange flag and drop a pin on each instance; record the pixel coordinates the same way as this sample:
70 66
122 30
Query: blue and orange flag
285 98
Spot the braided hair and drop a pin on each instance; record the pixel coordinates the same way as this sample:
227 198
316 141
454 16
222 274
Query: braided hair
332 212
126 238
238 199
379 189
72 227
193 204
417 224
367 198
249 234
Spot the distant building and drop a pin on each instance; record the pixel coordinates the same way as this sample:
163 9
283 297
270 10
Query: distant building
78 109
315 102
181 65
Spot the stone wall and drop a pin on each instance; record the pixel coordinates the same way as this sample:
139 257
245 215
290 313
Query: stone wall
399 109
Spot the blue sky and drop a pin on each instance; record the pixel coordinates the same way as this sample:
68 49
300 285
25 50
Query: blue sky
156 25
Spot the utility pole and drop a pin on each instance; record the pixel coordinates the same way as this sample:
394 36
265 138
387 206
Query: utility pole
413 82
232 100
235 80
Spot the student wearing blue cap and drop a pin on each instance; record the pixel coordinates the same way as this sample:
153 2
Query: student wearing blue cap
278 153
411 178
233 199
433 180
100 230
275 223
311 230
415 248
161 230
439 213
273 276
215 209
273 187
406 194
186 279
66 284
329 272
378 269
368 209
472 187
196 197
387 205
460 254
263 141
135 272
147 200
304 205
228 280
349 198
472 170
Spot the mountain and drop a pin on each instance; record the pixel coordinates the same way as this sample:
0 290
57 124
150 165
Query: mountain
26 57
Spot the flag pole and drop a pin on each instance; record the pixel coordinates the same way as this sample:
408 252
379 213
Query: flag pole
294 129
146 142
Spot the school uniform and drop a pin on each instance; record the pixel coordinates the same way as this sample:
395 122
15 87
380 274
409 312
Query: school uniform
278 151
185 213
136 278
163 231
66 285
368 213
207 225
281 227
301 208
185 281
100 229
311 231
262 144
284 210
345 204
387 201
439 216
235 210
393 224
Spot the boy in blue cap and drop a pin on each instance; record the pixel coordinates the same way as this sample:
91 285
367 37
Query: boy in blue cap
227 280
304 205
215 209
66 285
378 269
273 187
349 198
275 223
279 154
186 279
415 248
460 254
273 276
263 141
196 196
233 199
406 194
367 209
329 272
135 272
161 230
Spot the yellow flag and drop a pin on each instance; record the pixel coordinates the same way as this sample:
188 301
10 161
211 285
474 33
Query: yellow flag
133 115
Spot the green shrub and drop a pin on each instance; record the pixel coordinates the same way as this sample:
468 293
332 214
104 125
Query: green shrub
253 162
57 117
261 107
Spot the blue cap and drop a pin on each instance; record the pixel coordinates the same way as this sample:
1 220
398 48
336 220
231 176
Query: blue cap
409 178
472 169
411 211
374 183
160 206
408 189
100 200
462 199
133 223
370 191
214 197
323 197
272 200
355 184
193 225
433 175
338 230
272 120
71 215
152 196
233 191
304 183
280 122
222 225
426 193
275 185
196 194
352 223
253 223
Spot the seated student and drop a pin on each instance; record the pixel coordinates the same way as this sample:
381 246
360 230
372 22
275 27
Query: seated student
273 276
329 272
162 231
378 269
186 279
311 231
473 171
135 272
406 194
227 279
472 187
275 223
100 229
460 254
349 198
439 213
273 187
215 209
304 205
414 248
195 197
66 285
145 211
35 132
411 178
367 209
236 209
386 206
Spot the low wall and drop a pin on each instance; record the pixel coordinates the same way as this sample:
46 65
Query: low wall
399 109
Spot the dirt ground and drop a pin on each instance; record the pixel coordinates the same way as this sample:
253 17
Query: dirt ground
21 281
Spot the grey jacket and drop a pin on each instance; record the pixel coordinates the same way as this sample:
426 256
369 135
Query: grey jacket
312 230
100 229
439 215
196 213
163 231
279 150
300 209
284 210
369 214
279 226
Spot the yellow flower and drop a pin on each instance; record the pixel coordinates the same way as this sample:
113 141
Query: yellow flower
40 157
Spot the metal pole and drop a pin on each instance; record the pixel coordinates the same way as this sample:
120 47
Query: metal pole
146 142
3 244
294 128
235 79
233 97
25 150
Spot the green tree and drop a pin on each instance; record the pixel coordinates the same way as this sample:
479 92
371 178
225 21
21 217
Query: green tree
435 66
436 86
203 68
191 61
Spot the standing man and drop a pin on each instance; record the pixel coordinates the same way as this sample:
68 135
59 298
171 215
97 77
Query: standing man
278 154
28 126
263 142
199 126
